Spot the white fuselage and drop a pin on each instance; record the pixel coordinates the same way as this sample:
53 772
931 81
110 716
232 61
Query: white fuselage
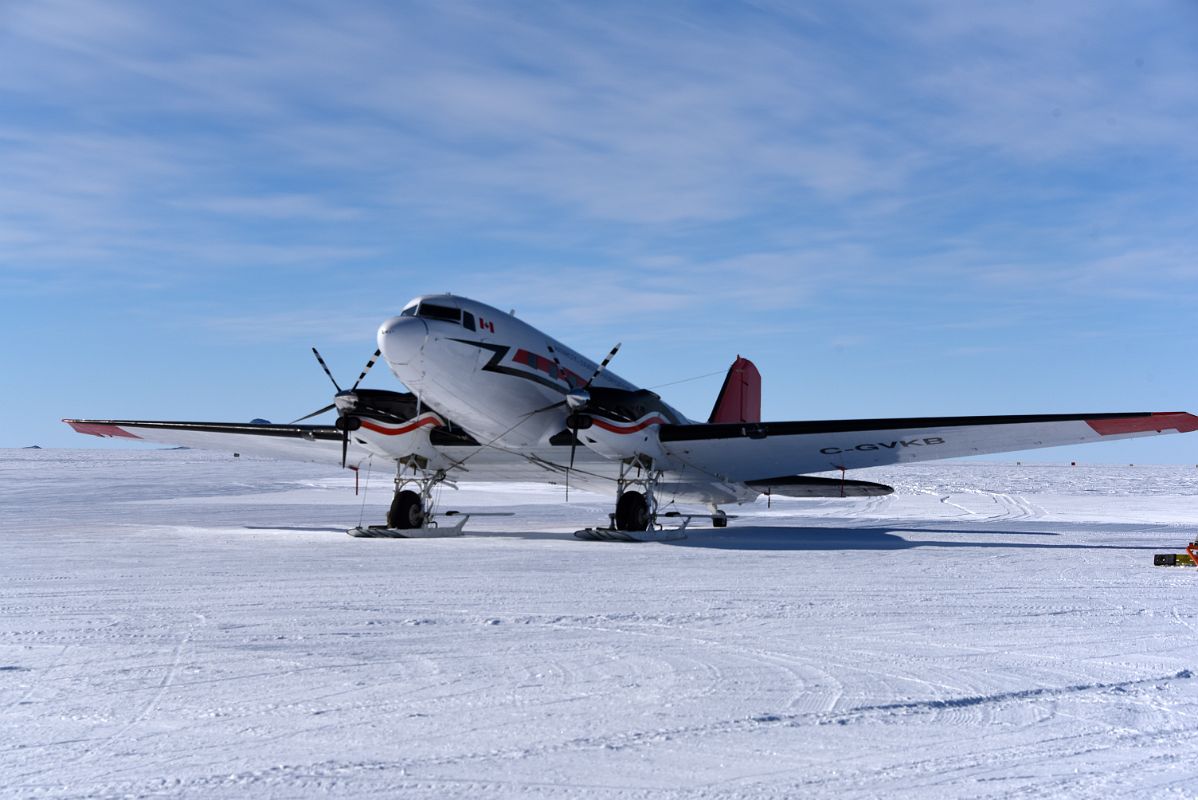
486 370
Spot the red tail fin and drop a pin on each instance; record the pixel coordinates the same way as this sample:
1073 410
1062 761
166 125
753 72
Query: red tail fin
740 397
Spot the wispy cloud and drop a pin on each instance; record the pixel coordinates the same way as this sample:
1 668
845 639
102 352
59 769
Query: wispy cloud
826 185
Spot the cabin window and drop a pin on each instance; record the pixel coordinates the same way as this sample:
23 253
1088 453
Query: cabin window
468 320
430 311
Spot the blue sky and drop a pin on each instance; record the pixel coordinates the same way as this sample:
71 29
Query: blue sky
894 209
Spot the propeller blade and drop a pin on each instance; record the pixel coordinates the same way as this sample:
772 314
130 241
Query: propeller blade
369 364
603 365
329 407
344 446
325 367
573 447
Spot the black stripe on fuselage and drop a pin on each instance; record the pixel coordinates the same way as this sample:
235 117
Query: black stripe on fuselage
761 430
498 352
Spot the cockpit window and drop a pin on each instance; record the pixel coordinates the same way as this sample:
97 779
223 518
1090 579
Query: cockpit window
467 320
430 311
410 311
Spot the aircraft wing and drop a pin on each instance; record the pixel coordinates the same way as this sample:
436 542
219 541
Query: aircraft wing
750 452
322 444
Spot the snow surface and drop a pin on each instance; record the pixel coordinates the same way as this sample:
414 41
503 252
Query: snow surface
176 623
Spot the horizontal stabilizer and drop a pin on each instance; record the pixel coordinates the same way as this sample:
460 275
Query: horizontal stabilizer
808 486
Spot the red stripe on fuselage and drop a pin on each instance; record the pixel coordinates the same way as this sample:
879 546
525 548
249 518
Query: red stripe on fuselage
411 426
630 428
547 366
1178 421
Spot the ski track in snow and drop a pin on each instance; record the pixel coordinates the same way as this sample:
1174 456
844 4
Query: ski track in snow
180 624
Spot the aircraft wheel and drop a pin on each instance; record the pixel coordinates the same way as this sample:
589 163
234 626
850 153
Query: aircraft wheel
632 512
719 519
406 511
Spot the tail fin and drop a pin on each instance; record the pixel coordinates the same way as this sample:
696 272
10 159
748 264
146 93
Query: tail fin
740 396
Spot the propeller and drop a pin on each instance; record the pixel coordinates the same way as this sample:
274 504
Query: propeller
346 422
577 400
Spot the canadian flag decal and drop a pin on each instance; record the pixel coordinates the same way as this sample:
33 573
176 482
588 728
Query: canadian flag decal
485 325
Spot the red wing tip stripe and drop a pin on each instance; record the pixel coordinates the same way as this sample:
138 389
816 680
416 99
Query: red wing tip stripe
430 420
616 427
100 429
1178 421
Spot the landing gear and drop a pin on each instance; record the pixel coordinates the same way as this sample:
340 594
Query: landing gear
412 506
636 503
632 512
407 511
411 512
635 518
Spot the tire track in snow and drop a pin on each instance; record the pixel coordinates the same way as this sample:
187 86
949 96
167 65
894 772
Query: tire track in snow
94 749
1022 694
1177 618
641 738
799 670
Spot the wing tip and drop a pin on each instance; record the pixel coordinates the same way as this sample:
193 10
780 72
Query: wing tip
1156 422
106 430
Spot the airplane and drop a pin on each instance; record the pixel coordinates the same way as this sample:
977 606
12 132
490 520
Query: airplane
491 398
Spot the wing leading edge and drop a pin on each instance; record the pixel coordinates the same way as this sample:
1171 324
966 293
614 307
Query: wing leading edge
751 452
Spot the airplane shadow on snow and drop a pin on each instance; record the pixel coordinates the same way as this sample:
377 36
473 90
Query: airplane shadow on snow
848 539
828 538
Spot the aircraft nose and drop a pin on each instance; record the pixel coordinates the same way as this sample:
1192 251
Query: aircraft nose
402 338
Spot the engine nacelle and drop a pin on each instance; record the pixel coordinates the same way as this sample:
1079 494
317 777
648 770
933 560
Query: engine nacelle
620 440
621 424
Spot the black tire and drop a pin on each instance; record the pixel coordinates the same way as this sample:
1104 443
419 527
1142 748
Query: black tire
632 512
406 512
719 520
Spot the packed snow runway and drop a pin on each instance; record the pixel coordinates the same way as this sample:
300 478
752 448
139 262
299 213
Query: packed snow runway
185 624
